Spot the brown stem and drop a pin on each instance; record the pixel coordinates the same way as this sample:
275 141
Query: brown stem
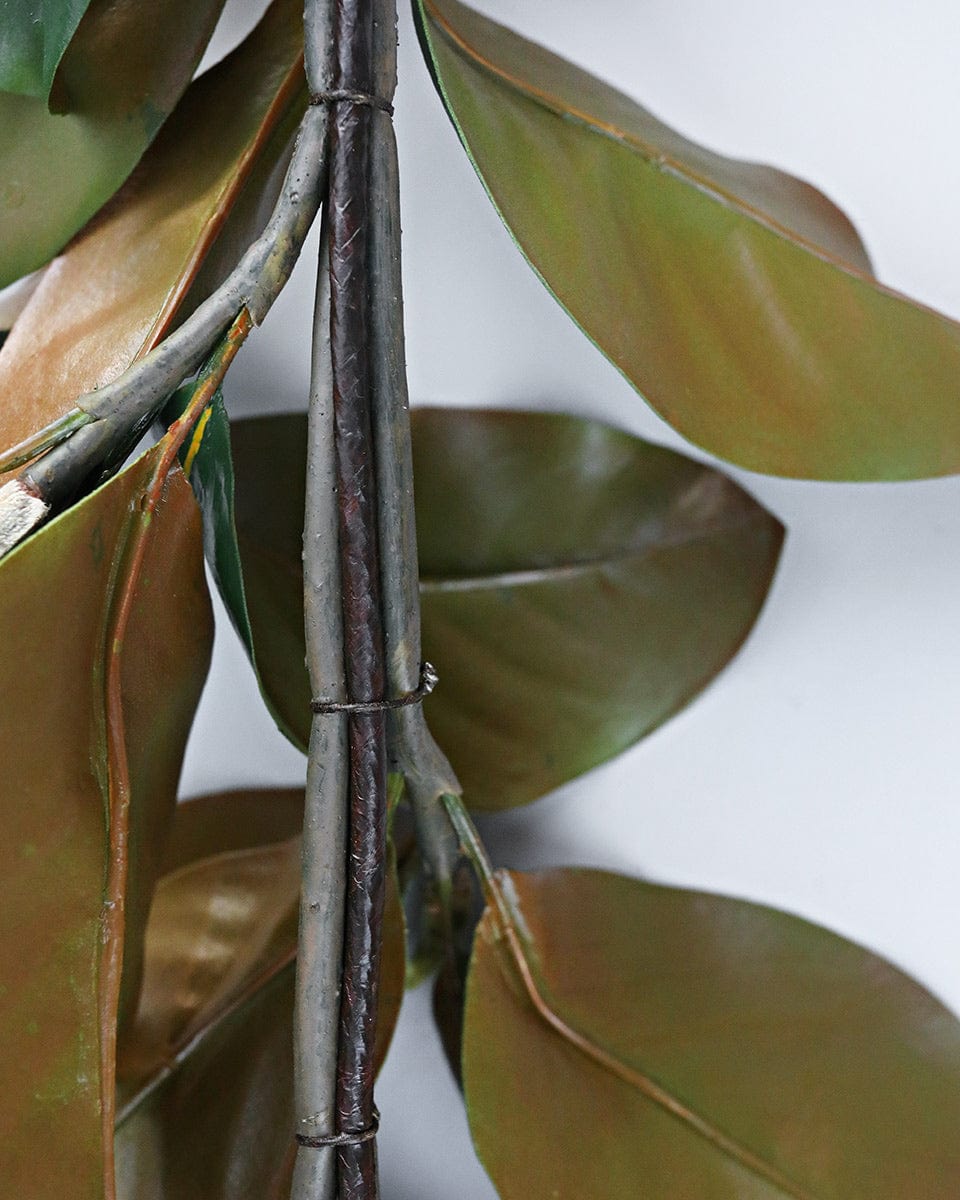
364 652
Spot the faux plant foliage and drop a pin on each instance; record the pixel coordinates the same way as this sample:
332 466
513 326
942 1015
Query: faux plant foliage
738 301
108 640
33 37
675 1043
579 585
277 653
120 77
206 1071
115 291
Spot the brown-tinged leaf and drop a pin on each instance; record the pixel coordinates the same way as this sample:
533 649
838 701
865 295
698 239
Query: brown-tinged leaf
205 1071
579 585
114 292
669 1043
106 645
120 76
737 300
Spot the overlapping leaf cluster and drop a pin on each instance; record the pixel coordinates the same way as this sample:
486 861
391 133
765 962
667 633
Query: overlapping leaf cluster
579 586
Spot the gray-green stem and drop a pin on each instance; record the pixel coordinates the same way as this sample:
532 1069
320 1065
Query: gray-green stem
104 422
319 965
413 752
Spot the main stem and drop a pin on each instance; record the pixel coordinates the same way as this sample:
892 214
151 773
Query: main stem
362 615
347 27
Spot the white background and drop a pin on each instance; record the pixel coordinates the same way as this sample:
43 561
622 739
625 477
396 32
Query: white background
819 773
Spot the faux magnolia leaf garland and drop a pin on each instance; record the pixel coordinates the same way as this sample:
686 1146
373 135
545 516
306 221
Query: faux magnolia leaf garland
739 302
579 587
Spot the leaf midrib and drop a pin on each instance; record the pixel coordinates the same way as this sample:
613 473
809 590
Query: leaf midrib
576 567
504 918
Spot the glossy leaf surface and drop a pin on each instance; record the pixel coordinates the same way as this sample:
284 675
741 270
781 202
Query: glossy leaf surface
115 291
120 77
92 731
685 1044
33 37
206 1071
208 459
737 300
579 586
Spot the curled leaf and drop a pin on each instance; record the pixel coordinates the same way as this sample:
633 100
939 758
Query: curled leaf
33 37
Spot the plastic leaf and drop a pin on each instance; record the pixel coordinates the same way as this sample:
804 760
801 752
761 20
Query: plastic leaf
102 662
668 1043
738 301
33 37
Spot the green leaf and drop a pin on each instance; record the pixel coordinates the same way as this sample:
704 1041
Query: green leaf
208 462
107 640
205 1071
115 292
737 300
33 37
579 586
120 77
672 1043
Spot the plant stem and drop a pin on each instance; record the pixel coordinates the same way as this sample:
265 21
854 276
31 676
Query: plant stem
349 202
413 752
317 1010
107 421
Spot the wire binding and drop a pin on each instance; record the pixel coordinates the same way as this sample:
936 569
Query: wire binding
428 681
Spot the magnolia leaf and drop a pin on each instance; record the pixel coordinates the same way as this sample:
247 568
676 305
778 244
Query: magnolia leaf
121 75
625 1039
205 1071
737 300
108 638
208 462
115 291
579 585
33 37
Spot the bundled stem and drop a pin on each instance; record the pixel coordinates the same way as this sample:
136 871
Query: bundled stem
359 436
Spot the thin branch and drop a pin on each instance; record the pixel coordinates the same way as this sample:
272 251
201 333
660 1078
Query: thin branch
105 423
323 888
413 752
317 1013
